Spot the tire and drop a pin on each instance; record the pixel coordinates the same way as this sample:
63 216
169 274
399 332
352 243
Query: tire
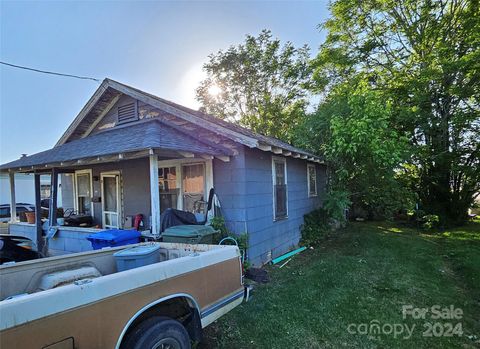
157 332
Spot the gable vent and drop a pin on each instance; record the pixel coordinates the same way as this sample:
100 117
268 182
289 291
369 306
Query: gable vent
127 112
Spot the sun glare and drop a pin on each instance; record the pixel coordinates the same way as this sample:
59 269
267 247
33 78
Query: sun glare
214 90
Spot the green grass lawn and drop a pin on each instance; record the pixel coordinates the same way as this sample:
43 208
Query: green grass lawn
362 274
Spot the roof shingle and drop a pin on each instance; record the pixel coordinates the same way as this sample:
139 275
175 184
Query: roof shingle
146 135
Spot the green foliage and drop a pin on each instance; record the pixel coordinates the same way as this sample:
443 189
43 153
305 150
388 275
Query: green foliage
430 221
354 128
260 84
335 204
318 223
423 56
315 227
218 223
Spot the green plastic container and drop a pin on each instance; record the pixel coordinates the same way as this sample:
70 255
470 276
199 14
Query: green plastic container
189 234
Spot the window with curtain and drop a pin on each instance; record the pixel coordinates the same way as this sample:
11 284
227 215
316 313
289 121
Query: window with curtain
193 184
280 188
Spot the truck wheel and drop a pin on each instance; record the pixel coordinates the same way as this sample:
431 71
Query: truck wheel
158 332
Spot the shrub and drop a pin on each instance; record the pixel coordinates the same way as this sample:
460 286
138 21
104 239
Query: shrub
430 221
335 204
316 226
218 223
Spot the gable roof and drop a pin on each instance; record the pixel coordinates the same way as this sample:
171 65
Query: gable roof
152 134
109 91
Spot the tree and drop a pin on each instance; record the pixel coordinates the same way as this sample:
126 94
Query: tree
260 84
424 56
353 127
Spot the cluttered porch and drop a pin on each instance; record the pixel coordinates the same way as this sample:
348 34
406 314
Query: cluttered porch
110 197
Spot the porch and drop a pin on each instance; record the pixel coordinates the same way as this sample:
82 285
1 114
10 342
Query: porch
111 190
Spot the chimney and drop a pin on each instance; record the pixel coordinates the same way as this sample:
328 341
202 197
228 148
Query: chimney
23 156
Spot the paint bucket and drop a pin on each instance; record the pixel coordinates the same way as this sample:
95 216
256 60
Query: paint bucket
30 217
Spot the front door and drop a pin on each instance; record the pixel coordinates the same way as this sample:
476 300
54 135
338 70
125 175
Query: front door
110 200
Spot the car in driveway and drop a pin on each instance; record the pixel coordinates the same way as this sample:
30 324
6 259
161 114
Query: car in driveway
21 207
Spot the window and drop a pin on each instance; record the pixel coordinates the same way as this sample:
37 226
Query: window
45 191
279 174
167 183
83 192
193 183
184 184
312 180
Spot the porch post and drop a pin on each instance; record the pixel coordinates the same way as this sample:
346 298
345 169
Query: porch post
13 201
38 213
52 214
154 195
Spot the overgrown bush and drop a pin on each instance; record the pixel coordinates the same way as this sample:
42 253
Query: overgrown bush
430 221
218 223
335 204
316 226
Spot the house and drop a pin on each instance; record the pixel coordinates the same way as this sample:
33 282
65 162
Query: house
129 152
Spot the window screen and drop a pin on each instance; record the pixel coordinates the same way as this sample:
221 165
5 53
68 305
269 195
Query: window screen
312 180
84 199
167 183
280 188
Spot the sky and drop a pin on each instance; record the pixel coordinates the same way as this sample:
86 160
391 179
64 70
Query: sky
156 46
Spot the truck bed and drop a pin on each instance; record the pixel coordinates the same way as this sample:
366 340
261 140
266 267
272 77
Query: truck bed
24 278
205 273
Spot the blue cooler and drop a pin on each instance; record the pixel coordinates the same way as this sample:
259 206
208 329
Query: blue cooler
137 256
113 238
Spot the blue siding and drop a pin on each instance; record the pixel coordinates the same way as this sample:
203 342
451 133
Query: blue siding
265 234
244 186
229 183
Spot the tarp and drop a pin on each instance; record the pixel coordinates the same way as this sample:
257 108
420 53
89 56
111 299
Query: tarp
172 217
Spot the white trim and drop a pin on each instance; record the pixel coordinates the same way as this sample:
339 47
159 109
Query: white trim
116 175
101 116
274 180
178 164
154 196
308 180
175 162
177 111
13 201
75 197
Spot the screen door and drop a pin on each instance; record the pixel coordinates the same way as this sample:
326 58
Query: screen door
110 200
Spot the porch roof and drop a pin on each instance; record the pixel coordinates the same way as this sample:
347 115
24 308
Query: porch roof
149 135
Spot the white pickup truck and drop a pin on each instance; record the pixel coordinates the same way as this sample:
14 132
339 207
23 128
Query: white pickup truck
82 301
